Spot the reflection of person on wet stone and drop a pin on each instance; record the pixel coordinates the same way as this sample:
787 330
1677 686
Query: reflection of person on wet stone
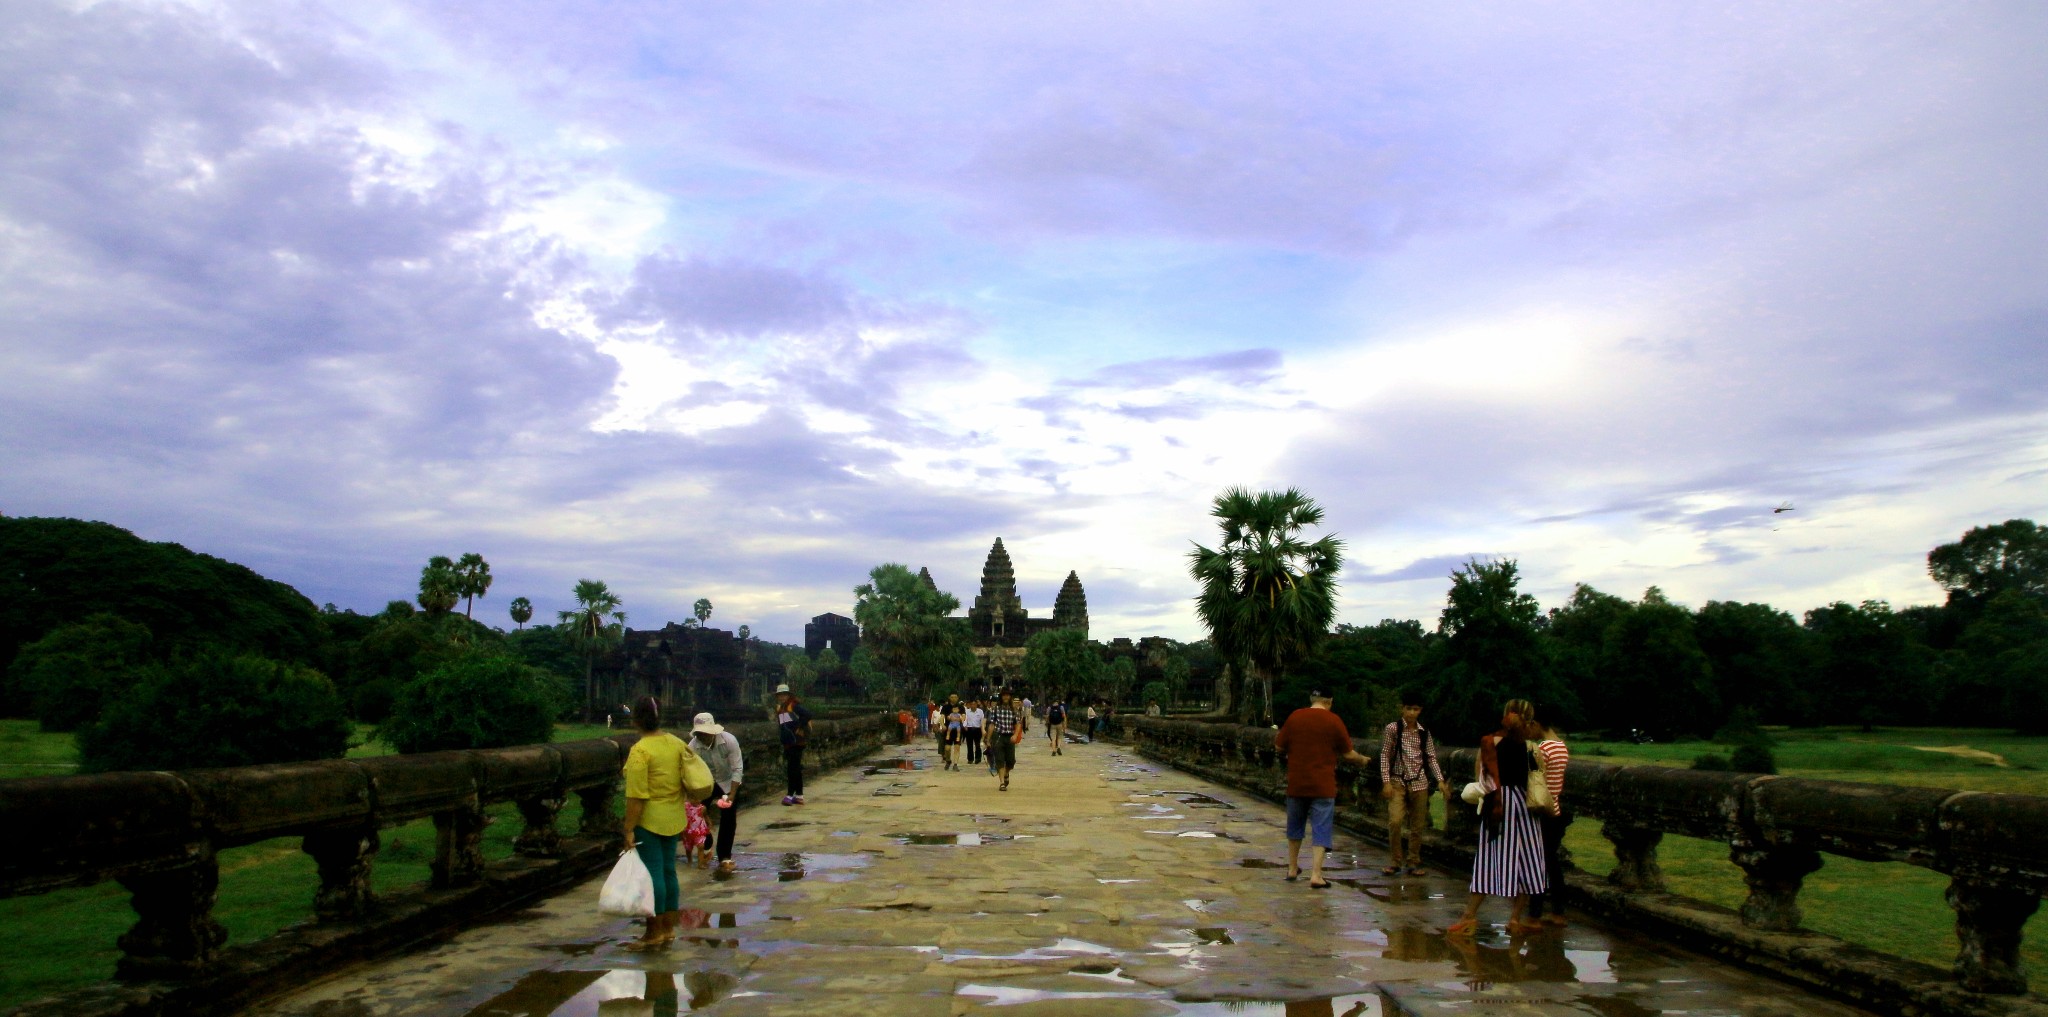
655 817
1313 740
721 752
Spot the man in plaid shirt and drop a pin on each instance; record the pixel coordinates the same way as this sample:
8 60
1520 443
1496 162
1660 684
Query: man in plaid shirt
1005 728
1407 767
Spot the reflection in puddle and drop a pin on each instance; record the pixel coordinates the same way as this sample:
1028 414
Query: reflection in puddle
1214 937
590 993
1332 1006
787 824
938 839
876 767
794 865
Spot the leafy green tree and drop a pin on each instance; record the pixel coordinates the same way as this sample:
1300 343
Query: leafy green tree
904 622
1154 692
1761 659
217 708
1175 674
1122 677
869 676
1870 668
473 576
1998 664
800 673
1653 663
1490 653
475 702
1057 660
54 572
1267 596
701 610
597 624
440 585
1576 635
68 674
522 612
1989 560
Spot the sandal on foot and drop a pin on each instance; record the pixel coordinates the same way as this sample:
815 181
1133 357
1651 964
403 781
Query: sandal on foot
1463 927
1391 870
1324 885
1418 871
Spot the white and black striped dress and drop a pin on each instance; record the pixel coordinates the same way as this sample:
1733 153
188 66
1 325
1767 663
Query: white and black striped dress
1512 863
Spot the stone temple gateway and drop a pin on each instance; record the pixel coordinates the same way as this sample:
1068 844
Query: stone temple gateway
998 621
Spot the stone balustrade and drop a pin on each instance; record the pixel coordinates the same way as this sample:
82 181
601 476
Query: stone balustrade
1993 848
159 835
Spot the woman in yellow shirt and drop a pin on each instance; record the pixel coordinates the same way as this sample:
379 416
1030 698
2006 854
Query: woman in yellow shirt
655 817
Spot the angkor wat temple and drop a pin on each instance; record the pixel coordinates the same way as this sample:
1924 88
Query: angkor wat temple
1000 623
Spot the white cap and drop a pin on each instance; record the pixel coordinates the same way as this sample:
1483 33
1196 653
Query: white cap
780 689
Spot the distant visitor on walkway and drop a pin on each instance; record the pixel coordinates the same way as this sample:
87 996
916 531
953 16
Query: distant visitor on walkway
793 722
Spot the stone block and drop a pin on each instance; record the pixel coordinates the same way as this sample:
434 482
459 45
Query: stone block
1873 822
65 831
247 804
1996 838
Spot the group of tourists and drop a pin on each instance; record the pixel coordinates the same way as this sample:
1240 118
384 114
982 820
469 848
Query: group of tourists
1517 790
977 732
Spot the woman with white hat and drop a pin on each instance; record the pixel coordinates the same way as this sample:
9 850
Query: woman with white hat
721 751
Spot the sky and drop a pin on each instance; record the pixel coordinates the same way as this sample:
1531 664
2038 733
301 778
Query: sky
737 301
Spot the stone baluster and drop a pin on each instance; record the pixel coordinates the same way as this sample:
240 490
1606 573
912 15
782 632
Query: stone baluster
175 935
598 818
1774 873
540 838
1635 856
1461 822
343 857
458 846
1989 920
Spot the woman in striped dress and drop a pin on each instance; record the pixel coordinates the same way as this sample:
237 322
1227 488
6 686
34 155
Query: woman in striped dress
1510 858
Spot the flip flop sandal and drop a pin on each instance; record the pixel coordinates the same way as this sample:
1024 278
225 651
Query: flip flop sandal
1391 870
1324 885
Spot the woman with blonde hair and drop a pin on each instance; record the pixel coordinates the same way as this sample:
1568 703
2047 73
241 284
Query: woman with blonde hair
1509 862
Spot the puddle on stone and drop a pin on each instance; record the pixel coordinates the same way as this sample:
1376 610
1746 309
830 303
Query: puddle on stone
1196 904
938 839
1328 1006
689 919
1119 880
573 949
794 865
876 767
590 993
908 906
787 824
1263 863
1214 937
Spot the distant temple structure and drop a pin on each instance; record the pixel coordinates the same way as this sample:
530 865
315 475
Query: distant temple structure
1000 625
834 632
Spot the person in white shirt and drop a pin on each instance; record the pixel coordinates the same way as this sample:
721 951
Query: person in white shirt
975 716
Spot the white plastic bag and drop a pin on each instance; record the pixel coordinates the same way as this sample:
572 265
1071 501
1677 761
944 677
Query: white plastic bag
629 890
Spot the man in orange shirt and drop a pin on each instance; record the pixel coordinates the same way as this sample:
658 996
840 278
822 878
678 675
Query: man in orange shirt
1313 740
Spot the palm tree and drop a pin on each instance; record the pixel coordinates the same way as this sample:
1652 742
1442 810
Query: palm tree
475 574
597 624
1267 597
522 612
440 586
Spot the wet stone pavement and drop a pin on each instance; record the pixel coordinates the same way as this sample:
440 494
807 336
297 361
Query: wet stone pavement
1099 885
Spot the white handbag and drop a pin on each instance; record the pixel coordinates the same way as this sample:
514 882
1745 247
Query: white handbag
629 890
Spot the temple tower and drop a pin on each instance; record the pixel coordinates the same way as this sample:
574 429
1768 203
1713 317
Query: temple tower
998 617
1070 611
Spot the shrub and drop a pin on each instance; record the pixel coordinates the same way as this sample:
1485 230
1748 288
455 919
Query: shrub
216 708
478 702
67 674
1753 759
1742 729
1710 761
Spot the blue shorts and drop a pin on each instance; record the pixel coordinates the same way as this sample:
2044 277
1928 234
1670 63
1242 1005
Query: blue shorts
1314 813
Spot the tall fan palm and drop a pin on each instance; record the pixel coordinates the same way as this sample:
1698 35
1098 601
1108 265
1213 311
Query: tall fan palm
440 586
475 575
522 612
597 624
1267 596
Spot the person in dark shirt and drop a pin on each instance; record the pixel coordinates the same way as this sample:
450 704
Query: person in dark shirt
1313 740
793 721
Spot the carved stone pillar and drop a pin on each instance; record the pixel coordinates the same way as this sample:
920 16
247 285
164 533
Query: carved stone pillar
174 935
1989 917
598 818
1635 857
540 839
458 847
1774 873
344 859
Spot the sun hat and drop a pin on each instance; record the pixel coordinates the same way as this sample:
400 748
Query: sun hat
780 689
703 724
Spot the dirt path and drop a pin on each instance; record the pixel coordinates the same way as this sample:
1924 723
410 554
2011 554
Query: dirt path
1967 753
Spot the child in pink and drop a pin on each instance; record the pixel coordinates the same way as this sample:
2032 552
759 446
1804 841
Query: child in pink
696 836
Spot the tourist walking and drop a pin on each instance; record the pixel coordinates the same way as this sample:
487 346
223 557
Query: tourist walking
1005 729
1092 717
970 728
1547 906
793 722
1509 862
721 752
655 817
953 718
1313 740
1056 724
1408 769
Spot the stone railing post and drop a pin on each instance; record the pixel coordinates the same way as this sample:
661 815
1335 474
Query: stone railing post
343 857
1774 873
1989 919
458 846
598 818
175 934
540 838
1635 856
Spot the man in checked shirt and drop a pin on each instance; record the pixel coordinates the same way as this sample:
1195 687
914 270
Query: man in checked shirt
1407 768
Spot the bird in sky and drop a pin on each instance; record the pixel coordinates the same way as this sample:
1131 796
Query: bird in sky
1786 507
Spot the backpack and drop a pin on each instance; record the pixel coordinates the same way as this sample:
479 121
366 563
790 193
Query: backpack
1056 715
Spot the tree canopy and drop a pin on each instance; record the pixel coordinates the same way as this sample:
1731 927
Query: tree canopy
1266 596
